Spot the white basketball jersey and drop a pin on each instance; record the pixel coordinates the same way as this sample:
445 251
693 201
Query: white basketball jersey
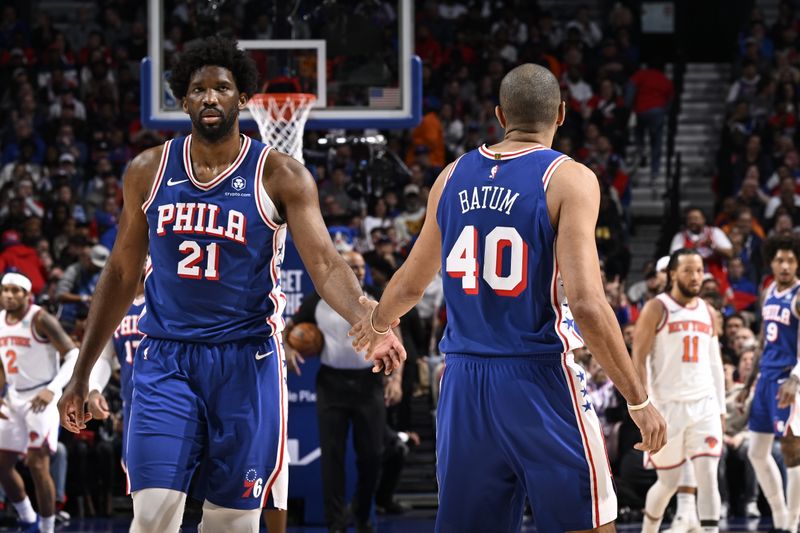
29 360
680 364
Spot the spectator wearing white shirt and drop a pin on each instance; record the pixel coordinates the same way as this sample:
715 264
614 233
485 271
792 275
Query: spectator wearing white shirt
708 239
589 30
786 197
578 88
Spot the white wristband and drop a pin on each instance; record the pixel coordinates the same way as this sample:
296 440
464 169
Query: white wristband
640 406
372 324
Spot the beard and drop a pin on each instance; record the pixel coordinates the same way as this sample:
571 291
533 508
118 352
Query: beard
686 291
213 133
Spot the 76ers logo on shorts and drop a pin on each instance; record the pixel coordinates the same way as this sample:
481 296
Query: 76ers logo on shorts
711 441
253 484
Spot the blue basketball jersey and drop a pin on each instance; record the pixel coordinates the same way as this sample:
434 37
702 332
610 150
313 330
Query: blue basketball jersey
125 340
780 330
502 287
216 250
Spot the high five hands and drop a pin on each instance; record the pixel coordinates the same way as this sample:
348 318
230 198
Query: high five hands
383 348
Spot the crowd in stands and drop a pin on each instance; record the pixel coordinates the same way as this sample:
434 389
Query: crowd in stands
69 125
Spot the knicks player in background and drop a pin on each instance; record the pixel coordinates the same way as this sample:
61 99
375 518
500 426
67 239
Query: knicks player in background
213 209
32 343
775 396
676 339
506 224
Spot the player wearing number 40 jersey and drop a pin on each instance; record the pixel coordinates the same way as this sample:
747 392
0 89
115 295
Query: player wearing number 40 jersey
512 228
773 411
212 209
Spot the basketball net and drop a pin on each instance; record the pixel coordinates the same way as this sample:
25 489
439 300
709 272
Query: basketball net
281 119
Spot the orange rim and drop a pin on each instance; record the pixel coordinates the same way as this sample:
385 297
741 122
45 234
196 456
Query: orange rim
263 98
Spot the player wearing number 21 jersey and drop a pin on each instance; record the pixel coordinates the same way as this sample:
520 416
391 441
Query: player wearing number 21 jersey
212 208
773 411
511 226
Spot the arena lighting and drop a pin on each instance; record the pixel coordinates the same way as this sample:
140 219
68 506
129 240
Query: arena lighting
369 139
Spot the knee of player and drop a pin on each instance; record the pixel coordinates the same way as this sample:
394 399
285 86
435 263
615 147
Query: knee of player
38 463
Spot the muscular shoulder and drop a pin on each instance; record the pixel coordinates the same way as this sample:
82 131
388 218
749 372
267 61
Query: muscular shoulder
142 171
571 176
572 184
286 179
653 311
44 322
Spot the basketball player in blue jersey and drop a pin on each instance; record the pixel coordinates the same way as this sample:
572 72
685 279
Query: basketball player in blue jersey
773 409
119 353
212 208
512 228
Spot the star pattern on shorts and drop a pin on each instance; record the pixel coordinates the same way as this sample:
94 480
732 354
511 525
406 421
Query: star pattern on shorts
587 406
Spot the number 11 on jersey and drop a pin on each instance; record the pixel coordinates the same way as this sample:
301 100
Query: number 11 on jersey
462 260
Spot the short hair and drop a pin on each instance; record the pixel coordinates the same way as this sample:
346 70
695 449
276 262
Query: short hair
780 242
214 51
693 208
732 316
677 254
530 95
673 262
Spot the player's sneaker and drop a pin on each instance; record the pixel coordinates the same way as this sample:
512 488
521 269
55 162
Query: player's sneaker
29 527
751 510
684 524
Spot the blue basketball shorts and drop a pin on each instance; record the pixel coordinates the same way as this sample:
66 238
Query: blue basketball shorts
511 427
765 416
222 406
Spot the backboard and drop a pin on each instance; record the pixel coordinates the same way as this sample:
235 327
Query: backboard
355 56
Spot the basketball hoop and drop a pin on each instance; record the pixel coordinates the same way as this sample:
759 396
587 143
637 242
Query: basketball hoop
281 119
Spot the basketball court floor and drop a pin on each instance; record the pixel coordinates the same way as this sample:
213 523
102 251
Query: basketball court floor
385 525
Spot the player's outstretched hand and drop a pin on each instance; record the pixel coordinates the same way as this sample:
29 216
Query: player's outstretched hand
293 359
71 406
98 406
787 392
653 428
385 350
42 400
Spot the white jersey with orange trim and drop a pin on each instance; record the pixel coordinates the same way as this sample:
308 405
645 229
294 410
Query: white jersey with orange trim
29 360
680 363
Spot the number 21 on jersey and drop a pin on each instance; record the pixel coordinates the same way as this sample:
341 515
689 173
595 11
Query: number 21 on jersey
462 260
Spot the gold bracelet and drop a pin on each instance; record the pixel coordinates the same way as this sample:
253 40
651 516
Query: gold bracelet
640 406
372 324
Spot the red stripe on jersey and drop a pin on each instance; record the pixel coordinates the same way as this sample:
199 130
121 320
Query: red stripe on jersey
162 166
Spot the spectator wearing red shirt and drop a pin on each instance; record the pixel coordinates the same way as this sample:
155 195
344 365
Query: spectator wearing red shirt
20 257
428 48
652 94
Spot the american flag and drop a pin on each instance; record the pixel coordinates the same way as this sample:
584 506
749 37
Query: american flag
384 97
